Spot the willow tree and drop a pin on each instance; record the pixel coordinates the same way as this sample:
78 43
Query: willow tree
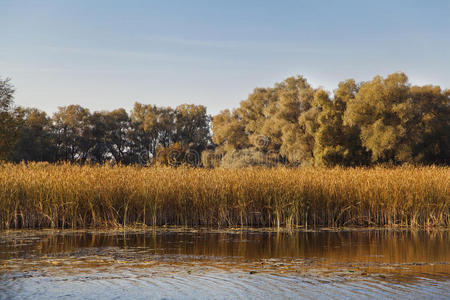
256 113
279 120
295 118
335 142
229 132
428 124
400 123
240 135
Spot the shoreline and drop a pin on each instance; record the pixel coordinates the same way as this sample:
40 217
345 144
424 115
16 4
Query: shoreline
230 230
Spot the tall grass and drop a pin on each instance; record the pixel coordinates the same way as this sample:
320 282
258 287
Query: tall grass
40 195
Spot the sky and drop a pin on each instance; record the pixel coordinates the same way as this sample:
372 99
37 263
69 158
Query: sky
108 54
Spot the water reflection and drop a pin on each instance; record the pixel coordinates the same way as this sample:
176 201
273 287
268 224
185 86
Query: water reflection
379 262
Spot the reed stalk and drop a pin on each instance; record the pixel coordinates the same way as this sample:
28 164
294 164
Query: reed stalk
41 195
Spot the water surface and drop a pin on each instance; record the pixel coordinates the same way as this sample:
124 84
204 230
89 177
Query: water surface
205 264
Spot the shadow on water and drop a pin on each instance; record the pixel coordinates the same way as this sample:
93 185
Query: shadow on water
227 264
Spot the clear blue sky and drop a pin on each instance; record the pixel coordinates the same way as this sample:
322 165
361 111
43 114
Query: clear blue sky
108 54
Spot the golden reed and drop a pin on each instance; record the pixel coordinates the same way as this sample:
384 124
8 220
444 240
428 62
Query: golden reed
38 195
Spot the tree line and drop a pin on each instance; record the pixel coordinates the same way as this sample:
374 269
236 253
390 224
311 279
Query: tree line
146 134
385 120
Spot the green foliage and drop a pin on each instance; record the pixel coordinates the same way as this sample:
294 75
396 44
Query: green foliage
111 132
156 128
76 135
192 126
382 121
8 122
73 133
36 142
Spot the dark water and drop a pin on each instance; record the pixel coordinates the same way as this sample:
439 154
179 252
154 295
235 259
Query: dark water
175 264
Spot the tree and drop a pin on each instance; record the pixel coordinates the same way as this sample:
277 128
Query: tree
9 127
192 126
336 143
271 120
144 138
385 120
400 123
166 126
256 113
428 124
296 119
110 130
229 132
152 126
158 128
36 142
73 132
375 112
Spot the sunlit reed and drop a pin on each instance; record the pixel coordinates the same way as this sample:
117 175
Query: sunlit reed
41 195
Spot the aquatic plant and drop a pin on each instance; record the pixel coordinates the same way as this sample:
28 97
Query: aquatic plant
37 195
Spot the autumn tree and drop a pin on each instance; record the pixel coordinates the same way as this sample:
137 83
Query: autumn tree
256 113
400 123
385 120
336 143
229 132
271 120
426 116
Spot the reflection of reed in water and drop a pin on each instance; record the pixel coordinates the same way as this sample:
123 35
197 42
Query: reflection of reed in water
381 246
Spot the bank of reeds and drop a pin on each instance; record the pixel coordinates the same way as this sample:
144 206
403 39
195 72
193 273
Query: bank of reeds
69 196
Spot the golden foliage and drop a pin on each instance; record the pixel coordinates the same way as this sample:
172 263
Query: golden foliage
44 195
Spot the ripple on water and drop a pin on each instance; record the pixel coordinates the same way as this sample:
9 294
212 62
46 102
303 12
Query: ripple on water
157 265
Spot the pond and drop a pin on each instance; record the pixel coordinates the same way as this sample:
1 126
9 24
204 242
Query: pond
224 264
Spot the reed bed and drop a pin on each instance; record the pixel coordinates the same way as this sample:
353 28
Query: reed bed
39 195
